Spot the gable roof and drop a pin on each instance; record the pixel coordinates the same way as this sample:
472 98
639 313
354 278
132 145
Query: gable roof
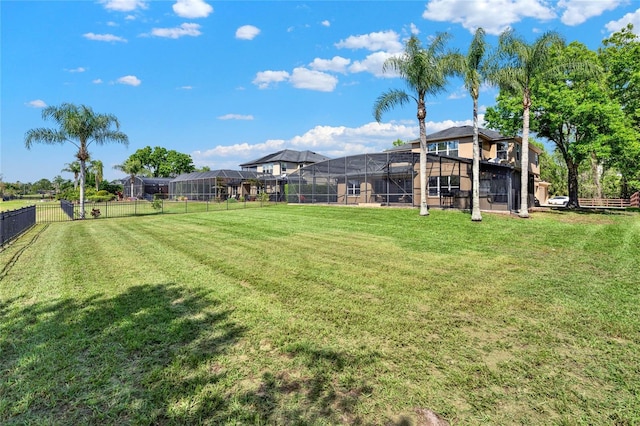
288 156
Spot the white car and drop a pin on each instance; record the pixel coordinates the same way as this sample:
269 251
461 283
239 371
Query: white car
558 200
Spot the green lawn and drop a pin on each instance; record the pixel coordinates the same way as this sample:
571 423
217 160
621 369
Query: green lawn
322 315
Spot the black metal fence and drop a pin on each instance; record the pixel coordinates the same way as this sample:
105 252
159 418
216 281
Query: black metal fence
65 210
15 222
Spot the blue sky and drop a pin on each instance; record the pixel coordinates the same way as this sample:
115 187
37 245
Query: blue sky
231 81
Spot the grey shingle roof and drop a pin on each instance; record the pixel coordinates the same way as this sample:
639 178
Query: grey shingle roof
462 131
288 156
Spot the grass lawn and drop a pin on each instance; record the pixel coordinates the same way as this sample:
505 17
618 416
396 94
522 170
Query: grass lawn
322 315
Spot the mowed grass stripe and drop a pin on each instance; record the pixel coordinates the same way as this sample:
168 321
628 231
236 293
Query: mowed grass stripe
315 315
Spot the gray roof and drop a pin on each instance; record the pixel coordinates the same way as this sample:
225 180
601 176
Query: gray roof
463 131
288 156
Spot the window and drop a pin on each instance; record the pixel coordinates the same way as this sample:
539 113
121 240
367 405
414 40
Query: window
267 168
518 150
443 185
444 148
353 187
283 168
536 160
502 150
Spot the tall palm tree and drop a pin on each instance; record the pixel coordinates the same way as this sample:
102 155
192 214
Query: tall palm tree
473 68
133 167
73 167
80 126
425 72
523 63
97 169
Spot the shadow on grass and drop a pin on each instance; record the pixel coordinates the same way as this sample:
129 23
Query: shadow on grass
156 354
321 388
109 360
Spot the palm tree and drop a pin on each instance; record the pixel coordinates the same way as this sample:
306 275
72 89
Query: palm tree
133 167
97 169
473 69
523 64
425 72
80 126
73 167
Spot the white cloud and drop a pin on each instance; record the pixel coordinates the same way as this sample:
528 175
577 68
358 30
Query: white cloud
185 87
247 32
235 117
265 78
493 15
325 23
97 81
37 103
186 29
413 29
303 78
578 11
130 80
123 5
384 40
332 141
335 64
104 37
629 18
192 9
79 69
373 64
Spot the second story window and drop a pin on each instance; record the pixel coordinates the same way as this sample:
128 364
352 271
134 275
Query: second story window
444 148
267 168
502 150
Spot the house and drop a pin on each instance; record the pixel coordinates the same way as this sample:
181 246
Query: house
495 149
392 177
282 162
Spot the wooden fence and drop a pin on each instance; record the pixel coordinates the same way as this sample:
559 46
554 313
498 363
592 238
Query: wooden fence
605 202
635 200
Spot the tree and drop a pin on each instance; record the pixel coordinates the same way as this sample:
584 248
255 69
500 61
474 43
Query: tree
575 112
97 170
473 69
132 167
73 167
398 142
522 63
80 126
425 72
620 58
161 162
58 181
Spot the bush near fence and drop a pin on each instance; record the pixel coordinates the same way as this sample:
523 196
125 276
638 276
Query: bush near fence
14 222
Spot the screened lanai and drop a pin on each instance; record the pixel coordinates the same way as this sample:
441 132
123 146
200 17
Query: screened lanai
223 184
388 178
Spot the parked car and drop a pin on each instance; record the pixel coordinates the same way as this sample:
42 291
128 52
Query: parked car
558 200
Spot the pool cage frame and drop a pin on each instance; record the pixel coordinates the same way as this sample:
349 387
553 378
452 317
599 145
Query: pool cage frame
220 185
388 178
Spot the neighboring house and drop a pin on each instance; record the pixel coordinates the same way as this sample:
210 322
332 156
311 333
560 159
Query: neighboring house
145 187
283 162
